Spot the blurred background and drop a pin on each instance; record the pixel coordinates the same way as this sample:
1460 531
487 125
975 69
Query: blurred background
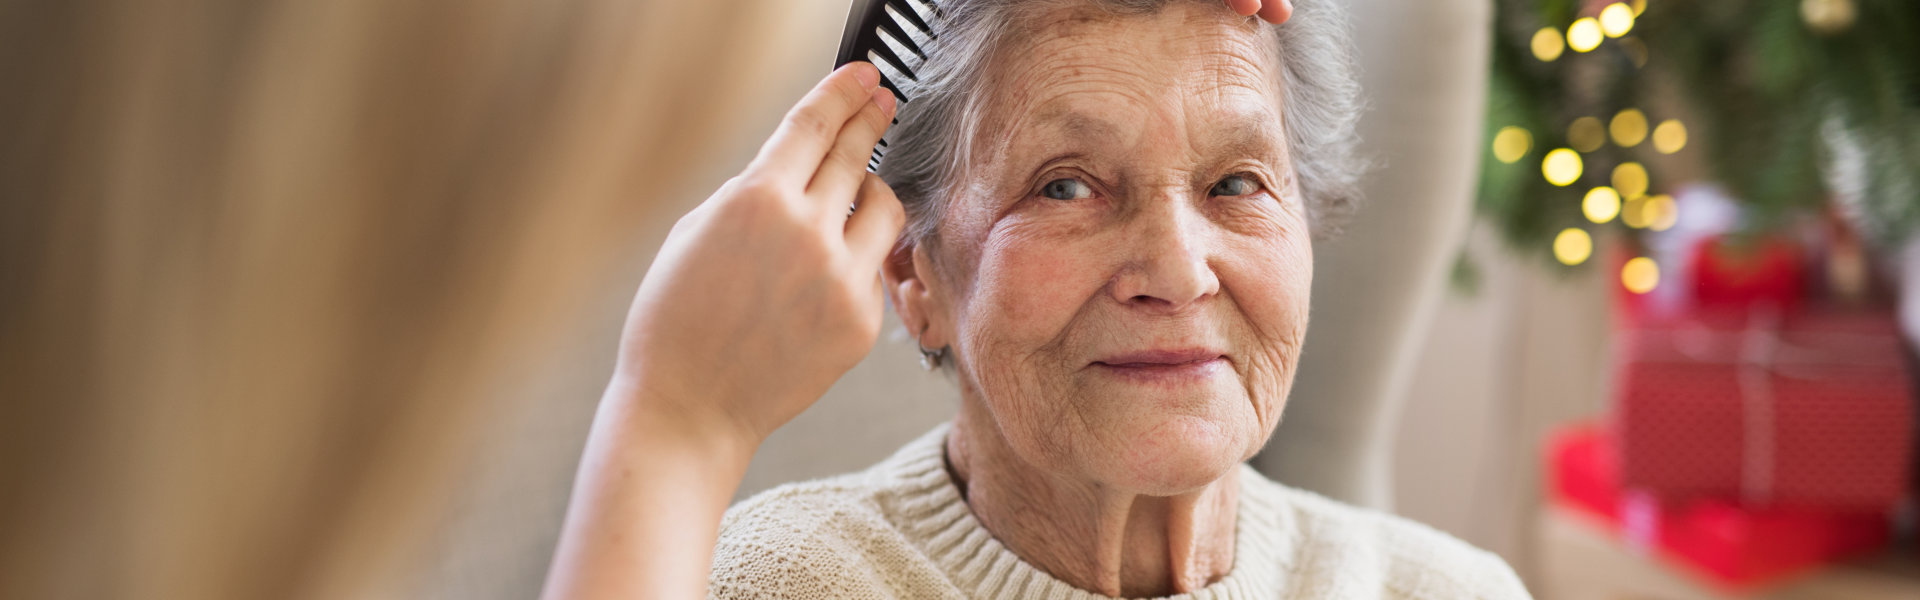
1624 306
1632 301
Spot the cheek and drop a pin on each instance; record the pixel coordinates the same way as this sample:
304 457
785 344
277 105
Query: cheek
1281 278
1271 288
1017 334
1032 281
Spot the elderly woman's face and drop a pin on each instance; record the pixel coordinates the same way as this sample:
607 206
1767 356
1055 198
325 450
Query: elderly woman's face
1129 256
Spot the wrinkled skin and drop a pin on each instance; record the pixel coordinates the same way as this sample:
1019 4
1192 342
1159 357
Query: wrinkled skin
1130 191
760 299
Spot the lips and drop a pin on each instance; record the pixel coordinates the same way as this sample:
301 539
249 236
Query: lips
1164 368
1162 358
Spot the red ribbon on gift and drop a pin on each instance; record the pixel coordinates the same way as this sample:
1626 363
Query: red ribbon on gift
1761 353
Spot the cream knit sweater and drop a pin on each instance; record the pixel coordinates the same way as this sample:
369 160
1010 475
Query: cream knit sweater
901 530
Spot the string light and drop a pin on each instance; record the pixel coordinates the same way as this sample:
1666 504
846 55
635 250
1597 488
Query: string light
1635 214
1548 44
1640 275
1629 128
1586 134
1630 179
1670 136
1511 144
1584 35
1828 17
1636 51
1572 246
1602 204
1616 19
1663 213
1561 166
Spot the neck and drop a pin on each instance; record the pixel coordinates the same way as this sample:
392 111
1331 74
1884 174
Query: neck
1093 537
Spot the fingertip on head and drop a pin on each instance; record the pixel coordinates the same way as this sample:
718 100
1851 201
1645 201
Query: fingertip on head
1277 12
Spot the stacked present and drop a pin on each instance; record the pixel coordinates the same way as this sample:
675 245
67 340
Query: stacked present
1754 434
1728 542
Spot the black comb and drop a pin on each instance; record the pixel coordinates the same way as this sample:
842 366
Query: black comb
890 34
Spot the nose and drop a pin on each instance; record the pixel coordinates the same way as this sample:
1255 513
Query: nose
1167 258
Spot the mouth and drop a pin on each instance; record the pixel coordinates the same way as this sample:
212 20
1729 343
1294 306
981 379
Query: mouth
1165 366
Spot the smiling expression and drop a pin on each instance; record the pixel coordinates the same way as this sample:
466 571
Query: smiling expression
1126 263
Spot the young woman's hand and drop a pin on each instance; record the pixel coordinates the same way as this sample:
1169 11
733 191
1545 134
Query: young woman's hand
768 292
761 298
1273 11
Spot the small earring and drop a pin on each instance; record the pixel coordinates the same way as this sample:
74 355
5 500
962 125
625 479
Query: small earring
930 359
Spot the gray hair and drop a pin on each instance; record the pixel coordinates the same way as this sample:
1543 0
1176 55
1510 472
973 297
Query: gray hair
1320 94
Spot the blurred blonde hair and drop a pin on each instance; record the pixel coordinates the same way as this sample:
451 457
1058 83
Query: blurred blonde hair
262 263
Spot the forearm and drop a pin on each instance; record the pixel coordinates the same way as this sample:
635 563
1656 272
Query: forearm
646 504
759 299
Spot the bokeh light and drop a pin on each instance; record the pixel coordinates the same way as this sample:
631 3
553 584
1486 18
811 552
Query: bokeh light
1511 144
1670 136
1561 166
1586 134
1548 44
1639 6
1584 35
1572 246
1828 17
1662 212
1629 128
1636 50
1635 213
1630 179
1616 19
1602 204
1640 275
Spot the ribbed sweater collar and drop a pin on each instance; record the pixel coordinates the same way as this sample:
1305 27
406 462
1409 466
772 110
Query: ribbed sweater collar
923 502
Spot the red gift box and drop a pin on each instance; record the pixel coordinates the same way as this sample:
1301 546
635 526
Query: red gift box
1730 545
1732 271
1741 546
1583 471
1808 407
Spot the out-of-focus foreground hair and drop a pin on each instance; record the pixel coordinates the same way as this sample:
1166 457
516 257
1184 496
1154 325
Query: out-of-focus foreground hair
263 263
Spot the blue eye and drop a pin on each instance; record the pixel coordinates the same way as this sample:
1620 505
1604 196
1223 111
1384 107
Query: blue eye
1066 189
1235 185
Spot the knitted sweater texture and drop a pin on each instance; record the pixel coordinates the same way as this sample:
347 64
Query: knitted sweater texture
901 530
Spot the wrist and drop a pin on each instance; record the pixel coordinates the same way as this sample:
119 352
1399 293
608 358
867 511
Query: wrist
672 425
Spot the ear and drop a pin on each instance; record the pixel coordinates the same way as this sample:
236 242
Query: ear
915 290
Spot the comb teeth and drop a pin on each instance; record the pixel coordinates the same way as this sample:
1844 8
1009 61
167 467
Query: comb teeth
893 35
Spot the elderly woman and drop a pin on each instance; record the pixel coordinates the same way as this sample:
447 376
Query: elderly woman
1104 217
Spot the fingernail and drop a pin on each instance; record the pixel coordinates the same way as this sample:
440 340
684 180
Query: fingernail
884 98
868 74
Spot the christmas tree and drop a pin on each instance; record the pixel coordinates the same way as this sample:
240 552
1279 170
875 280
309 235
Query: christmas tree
1598 109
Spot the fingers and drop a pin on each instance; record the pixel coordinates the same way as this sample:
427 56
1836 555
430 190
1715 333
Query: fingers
1244 8
1276 11
846 164
808 132
875 226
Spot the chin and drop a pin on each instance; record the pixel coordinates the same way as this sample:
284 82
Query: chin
1176 455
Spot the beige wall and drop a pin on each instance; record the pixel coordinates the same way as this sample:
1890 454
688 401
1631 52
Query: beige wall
1501 366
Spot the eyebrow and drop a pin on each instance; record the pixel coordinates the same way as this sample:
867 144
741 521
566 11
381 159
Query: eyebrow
1246 134
1082 125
